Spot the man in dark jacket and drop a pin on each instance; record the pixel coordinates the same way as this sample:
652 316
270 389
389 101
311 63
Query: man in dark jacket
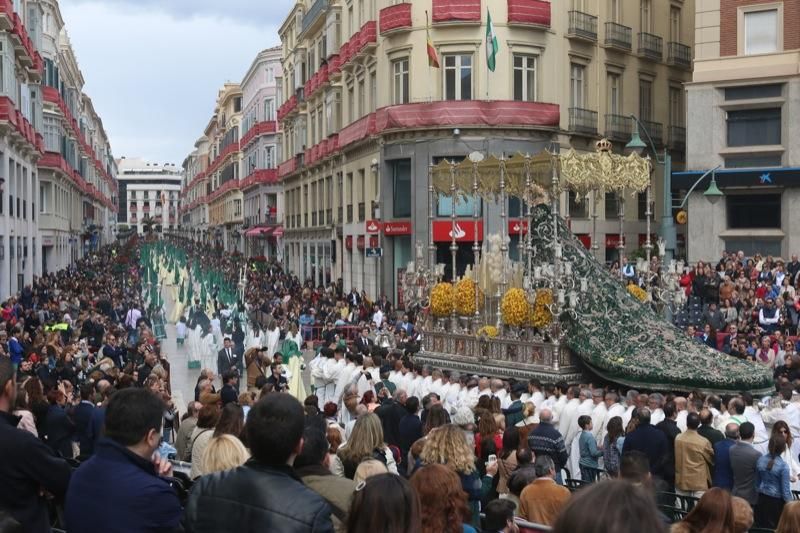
391 413
743 458
671 430
264 494
227 358
651 441
707 428
120 488
723 470
27 464
312 465
82 416
230 390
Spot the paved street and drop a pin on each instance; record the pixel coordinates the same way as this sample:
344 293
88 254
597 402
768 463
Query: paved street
183 380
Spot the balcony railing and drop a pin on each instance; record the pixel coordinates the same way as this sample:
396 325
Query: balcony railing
362 212
582 25
656 131
618 127
677 137
582 120
651 46
317 8
618 36
679 54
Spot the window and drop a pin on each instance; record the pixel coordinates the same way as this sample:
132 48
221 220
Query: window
754 127
362 99
270 75
611 205
269 109
524 78
641 205
749 92
646 99
237 104
577 80
676 116
753 211
373 90
351 104
761 32
458 77
269 157
675 24
614 89
753 161
401 191
400 81
645 16
613 10
578 209
464 206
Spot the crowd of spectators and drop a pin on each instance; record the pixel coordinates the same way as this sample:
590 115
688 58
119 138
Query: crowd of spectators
378 443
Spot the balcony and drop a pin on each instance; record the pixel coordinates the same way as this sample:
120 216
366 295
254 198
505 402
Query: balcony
315 13
456 11
679 55
618 36
287 167
529 12
582 121
266 127
582 26
651 46
395 19
655 129
461 113
618 127
677 137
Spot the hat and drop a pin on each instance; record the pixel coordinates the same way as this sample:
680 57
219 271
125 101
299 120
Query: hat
520 388
210 398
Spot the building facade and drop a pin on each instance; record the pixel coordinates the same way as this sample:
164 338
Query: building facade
364 116
262 193
743 102
231 197
148 195
57 184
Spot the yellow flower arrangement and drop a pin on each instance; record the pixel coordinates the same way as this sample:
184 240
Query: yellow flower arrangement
442 299
540 315
514 307
465 297
489 331
637 292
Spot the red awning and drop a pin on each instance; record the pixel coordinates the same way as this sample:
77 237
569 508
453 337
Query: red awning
277 231
257 232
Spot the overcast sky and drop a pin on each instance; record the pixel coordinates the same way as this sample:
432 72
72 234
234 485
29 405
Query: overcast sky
153 67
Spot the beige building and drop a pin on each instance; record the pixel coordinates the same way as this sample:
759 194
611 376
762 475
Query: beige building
363 115
743 104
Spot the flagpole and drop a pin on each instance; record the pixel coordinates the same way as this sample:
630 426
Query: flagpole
486 53
427 38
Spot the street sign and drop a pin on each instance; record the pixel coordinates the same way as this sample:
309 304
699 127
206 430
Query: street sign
373 252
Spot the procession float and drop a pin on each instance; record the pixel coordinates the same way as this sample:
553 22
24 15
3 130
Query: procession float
556 313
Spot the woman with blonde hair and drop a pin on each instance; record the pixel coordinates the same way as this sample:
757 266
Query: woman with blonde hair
224 452
447 446
366 442
790 518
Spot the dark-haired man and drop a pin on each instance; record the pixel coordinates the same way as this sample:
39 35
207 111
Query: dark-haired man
743 458
312 465
27 464
121 487
694 458
264 494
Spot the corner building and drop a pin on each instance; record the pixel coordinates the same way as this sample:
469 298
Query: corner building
744 100
363 116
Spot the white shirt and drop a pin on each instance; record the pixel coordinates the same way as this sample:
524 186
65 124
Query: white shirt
754 417
680 420
598 417
378 318
273 337
569 416
626 417
657 416
615 410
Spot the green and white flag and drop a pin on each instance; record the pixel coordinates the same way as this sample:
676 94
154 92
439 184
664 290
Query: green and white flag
491 43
